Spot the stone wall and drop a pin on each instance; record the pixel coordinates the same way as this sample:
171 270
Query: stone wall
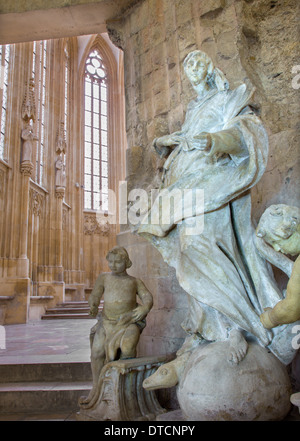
252 41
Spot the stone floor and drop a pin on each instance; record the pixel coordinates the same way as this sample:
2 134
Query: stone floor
46 341
53 341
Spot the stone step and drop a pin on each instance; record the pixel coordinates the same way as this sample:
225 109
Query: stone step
41 396
37 372
66 310
73 304
66 316
70 310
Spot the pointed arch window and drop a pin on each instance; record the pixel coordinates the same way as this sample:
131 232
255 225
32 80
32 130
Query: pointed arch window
4 65
95 133
39 72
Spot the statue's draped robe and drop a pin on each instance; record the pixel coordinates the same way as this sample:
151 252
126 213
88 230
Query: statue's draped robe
228 282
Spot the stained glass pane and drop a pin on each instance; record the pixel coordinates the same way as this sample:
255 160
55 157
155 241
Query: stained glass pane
104 153
88 200
96 152
96 90
96 120
96 167
103 122
96 137
96 183
87 133
103 92
103 108
104 137
88 118
88 87
87 165
87 182
104 168
104 184
88 103
88 149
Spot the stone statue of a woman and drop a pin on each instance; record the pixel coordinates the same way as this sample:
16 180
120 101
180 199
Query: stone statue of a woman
222 148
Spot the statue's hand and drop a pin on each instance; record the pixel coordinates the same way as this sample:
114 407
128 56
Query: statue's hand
164 144
93 311
139 313
202 142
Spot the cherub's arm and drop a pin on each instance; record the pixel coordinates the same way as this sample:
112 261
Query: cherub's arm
96 294
146 298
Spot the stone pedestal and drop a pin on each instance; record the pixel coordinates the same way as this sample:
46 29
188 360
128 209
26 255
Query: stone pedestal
121 394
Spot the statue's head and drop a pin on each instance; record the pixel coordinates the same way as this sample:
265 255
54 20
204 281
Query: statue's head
279 226
118 259
199 68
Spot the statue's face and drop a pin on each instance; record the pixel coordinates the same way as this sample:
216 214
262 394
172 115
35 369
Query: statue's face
196 69
116 262
281 225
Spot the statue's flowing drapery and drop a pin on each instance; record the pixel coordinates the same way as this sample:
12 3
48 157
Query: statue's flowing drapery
228 281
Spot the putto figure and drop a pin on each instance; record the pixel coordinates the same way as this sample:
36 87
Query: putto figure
278 232
117 331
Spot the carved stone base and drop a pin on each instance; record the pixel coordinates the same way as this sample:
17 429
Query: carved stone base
122 396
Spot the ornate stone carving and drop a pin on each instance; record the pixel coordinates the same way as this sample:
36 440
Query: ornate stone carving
36 202
121 396
60 192
28 111
26 168
94 224
61 143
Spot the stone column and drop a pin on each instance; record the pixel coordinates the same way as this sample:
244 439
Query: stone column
26 170
59 193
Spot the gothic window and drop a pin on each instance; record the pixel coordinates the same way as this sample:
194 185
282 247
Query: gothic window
39 70
4 64
95 133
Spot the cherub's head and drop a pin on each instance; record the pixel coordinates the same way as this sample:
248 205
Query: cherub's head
118 259
279 226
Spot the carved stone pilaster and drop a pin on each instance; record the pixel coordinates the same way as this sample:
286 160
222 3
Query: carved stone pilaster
61 143
120 394
26 168
1 182
60 192
28 111
35 202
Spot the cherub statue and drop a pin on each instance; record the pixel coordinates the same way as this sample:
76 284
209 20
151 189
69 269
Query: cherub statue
117 331
278 232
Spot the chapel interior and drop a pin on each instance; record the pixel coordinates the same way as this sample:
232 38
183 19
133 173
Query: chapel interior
86 86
